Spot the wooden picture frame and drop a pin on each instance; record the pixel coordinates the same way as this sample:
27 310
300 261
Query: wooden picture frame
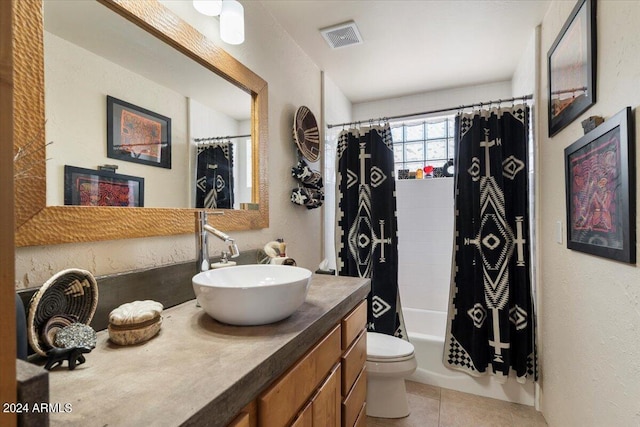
571 63
138 135
600 190
87 187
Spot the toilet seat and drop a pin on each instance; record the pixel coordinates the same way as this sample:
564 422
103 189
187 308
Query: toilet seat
386 348
389 359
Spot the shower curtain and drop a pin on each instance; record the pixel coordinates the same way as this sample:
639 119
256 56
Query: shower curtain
366 229
214 176
491 322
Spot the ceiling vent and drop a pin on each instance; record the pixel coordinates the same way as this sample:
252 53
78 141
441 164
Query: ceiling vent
342 35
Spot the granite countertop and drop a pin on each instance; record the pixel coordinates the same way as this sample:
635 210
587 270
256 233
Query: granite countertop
195 371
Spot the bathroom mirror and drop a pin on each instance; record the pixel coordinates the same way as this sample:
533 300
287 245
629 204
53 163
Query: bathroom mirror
37 223
90 54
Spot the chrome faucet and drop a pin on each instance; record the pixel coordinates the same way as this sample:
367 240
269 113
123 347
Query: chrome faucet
202 231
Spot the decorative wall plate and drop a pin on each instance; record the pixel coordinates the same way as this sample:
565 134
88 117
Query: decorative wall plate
70 294
306 134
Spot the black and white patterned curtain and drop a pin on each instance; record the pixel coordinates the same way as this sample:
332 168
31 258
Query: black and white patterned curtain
491 322
366 228
214 176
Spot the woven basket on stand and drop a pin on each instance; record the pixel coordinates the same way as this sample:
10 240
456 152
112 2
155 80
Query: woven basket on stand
69 294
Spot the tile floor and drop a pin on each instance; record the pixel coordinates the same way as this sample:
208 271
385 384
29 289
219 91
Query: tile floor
439 407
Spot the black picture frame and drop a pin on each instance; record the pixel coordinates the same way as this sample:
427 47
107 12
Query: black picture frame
600 190
87 187
571 67
138 135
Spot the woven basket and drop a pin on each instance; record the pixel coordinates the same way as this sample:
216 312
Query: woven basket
306 134
71 293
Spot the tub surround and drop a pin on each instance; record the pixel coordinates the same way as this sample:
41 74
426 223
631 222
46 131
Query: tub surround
196 370
426 330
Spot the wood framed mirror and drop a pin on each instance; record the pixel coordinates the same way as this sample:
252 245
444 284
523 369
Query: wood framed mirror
39 224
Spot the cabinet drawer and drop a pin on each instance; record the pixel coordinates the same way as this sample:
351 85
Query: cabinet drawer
242 420
353 323
352 404
247 417
361 421
326 403
353 361
304 418
283 400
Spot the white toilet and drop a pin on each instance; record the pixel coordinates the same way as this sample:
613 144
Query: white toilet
389 361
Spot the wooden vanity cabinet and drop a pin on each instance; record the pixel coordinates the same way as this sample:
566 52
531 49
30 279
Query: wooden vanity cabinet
323 409
247 417
326 388
281 402
325 404
305 417
353 361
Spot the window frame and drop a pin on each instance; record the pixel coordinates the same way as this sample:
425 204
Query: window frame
426 160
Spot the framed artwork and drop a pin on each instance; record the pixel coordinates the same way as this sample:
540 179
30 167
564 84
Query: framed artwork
571 65
600 190
86 187
137 135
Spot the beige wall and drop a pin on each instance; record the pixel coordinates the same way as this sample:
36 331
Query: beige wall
77 128
337 109
590 306
294 80
434 100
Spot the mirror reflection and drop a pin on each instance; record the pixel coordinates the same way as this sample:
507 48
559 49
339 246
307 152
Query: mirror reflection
164 103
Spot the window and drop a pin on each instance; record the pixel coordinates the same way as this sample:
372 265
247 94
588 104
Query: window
424 142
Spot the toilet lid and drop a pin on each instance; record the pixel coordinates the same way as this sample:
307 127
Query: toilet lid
381 346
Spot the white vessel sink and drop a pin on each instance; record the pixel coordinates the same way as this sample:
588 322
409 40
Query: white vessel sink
252 294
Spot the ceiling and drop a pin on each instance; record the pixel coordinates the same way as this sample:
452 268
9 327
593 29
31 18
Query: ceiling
413 46
95 28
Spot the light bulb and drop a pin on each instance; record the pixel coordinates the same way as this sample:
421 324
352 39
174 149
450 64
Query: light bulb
232 22
208 7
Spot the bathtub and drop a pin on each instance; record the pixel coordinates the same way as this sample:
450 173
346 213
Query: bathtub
426 330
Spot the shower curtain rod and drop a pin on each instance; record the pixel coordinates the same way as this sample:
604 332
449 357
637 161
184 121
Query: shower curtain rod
442 110
220 138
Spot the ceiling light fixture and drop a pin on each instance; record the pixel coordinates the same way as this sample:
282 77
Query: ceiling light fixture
232 22
208 7
231 18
